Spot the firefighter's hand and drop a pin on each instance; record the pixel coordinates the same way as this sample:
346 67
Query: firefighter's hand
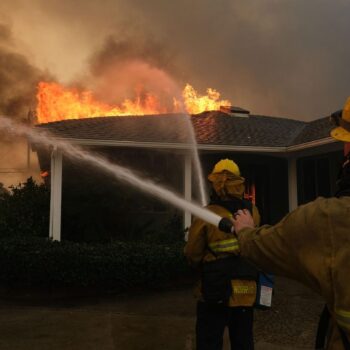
242 219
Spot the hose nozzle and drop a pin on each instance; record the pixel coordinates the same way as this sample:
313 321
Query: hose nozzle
226 225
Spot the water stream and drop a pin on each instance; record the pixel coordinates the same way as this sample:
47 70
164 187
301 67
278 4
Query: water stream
197 163
122 173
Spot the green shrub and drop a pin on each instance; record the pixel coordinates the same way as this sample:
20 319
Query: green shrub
24 210
39 262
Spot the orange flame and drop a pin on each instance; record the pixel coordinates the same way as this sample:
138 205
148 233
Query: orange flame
44 174
56 102
197 104
250 192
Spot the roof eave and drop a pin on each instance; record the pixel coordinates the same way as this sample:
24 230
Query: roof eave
169 145
204 147
311 144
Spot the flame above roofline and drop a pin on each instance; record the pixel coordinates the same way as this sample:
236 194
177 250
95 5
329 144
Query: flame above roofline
56 102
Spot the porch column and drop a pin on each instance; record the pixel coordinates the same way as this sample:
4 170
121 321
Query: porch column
56 195
292 183
187 187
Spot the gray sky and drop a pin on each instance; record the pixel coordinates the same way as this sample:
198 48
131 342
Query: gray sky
286 58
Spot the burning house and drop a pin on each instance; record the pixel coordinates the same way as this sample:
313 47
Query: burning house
285 162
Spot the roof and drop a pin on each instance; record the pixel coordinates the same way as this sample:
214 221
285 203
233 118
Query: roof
233 109
223 129
315 130
211 128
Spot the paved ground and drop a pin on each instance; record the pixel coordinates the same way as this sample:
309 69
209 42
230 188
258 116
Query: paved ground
153 320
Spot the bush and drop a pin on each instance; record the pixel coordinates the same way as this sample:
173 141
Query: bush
25 210
39 262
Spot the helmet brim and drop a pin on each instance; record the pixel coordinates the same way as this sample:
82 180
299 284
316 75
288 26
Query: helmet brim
340 134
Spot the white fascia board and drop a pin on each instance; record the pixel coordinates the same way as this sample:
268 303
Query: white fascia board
159 145
204 147
311 144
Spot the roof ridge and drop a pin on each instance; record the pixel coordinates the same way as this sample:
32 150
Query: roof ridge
279 118
297 134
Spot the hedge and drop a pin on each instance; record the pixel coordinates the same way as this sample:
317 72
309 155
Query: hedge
40 262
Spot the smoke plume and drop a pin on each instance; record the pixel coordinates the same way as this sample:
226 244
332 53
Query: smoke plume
284 58
18 78
124 68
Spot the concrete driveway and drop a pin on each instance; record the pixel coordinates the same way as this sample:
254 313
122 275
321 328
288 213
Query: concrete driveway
151 320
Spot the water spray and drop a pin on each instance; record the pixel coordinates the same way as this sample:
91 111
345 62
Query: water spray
122 173
197 162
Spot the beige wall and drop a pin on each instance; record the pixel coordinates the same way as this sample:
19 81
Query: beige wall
15 163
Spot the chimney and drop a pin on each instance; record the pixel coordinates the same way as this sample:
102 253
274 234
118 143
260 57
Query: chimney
235 111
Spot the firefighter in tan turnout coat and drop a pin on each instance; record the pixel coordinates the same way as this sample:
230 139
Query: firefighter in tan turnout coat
206 243
311 244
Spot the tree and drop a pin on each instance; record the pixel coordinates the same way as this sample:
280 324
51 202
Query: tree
24 210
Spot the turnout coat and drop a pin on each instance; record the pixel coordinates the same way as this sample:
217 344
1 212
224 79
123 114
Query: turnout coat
205 239
311 245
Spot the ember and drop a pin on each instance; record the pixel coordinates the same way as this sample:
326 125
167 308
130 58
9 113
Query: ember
44 174
250 192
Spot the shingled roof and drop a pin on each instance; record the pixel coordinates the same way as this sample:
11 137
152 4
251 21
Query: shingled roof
211 128
315 130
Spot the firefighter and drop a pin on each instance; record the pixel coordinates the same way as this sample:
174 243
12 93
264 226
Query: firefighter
311 244
223 300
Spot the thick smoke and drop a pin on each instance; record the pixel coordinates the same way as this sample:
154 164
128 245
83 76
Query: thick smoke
284 58
126 68
18 78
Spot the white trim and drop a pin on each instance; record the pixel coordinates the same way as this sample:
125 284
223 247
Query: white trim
311 144
56 195
204 147
162 145
187 189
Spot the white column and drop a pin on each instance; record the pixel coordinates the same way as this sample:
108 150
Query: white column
187 187
292 183
56 195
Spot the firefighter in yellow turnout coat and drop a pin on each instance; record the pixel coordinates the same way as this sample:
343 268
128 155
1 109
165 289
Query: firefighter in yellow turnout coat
311 245
207 243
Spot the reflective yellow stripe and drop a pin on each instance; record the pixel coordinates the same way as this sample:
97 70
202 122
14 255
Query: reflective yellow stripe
342 313
343 318
223 242
225 246
244 290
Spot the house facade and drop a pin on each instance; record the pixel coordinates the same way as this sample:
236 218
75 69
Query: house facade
285 162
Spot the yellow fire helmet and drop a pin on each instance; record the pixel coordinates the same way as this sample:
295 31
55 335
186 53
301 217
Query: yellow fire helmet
226 164
342 120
